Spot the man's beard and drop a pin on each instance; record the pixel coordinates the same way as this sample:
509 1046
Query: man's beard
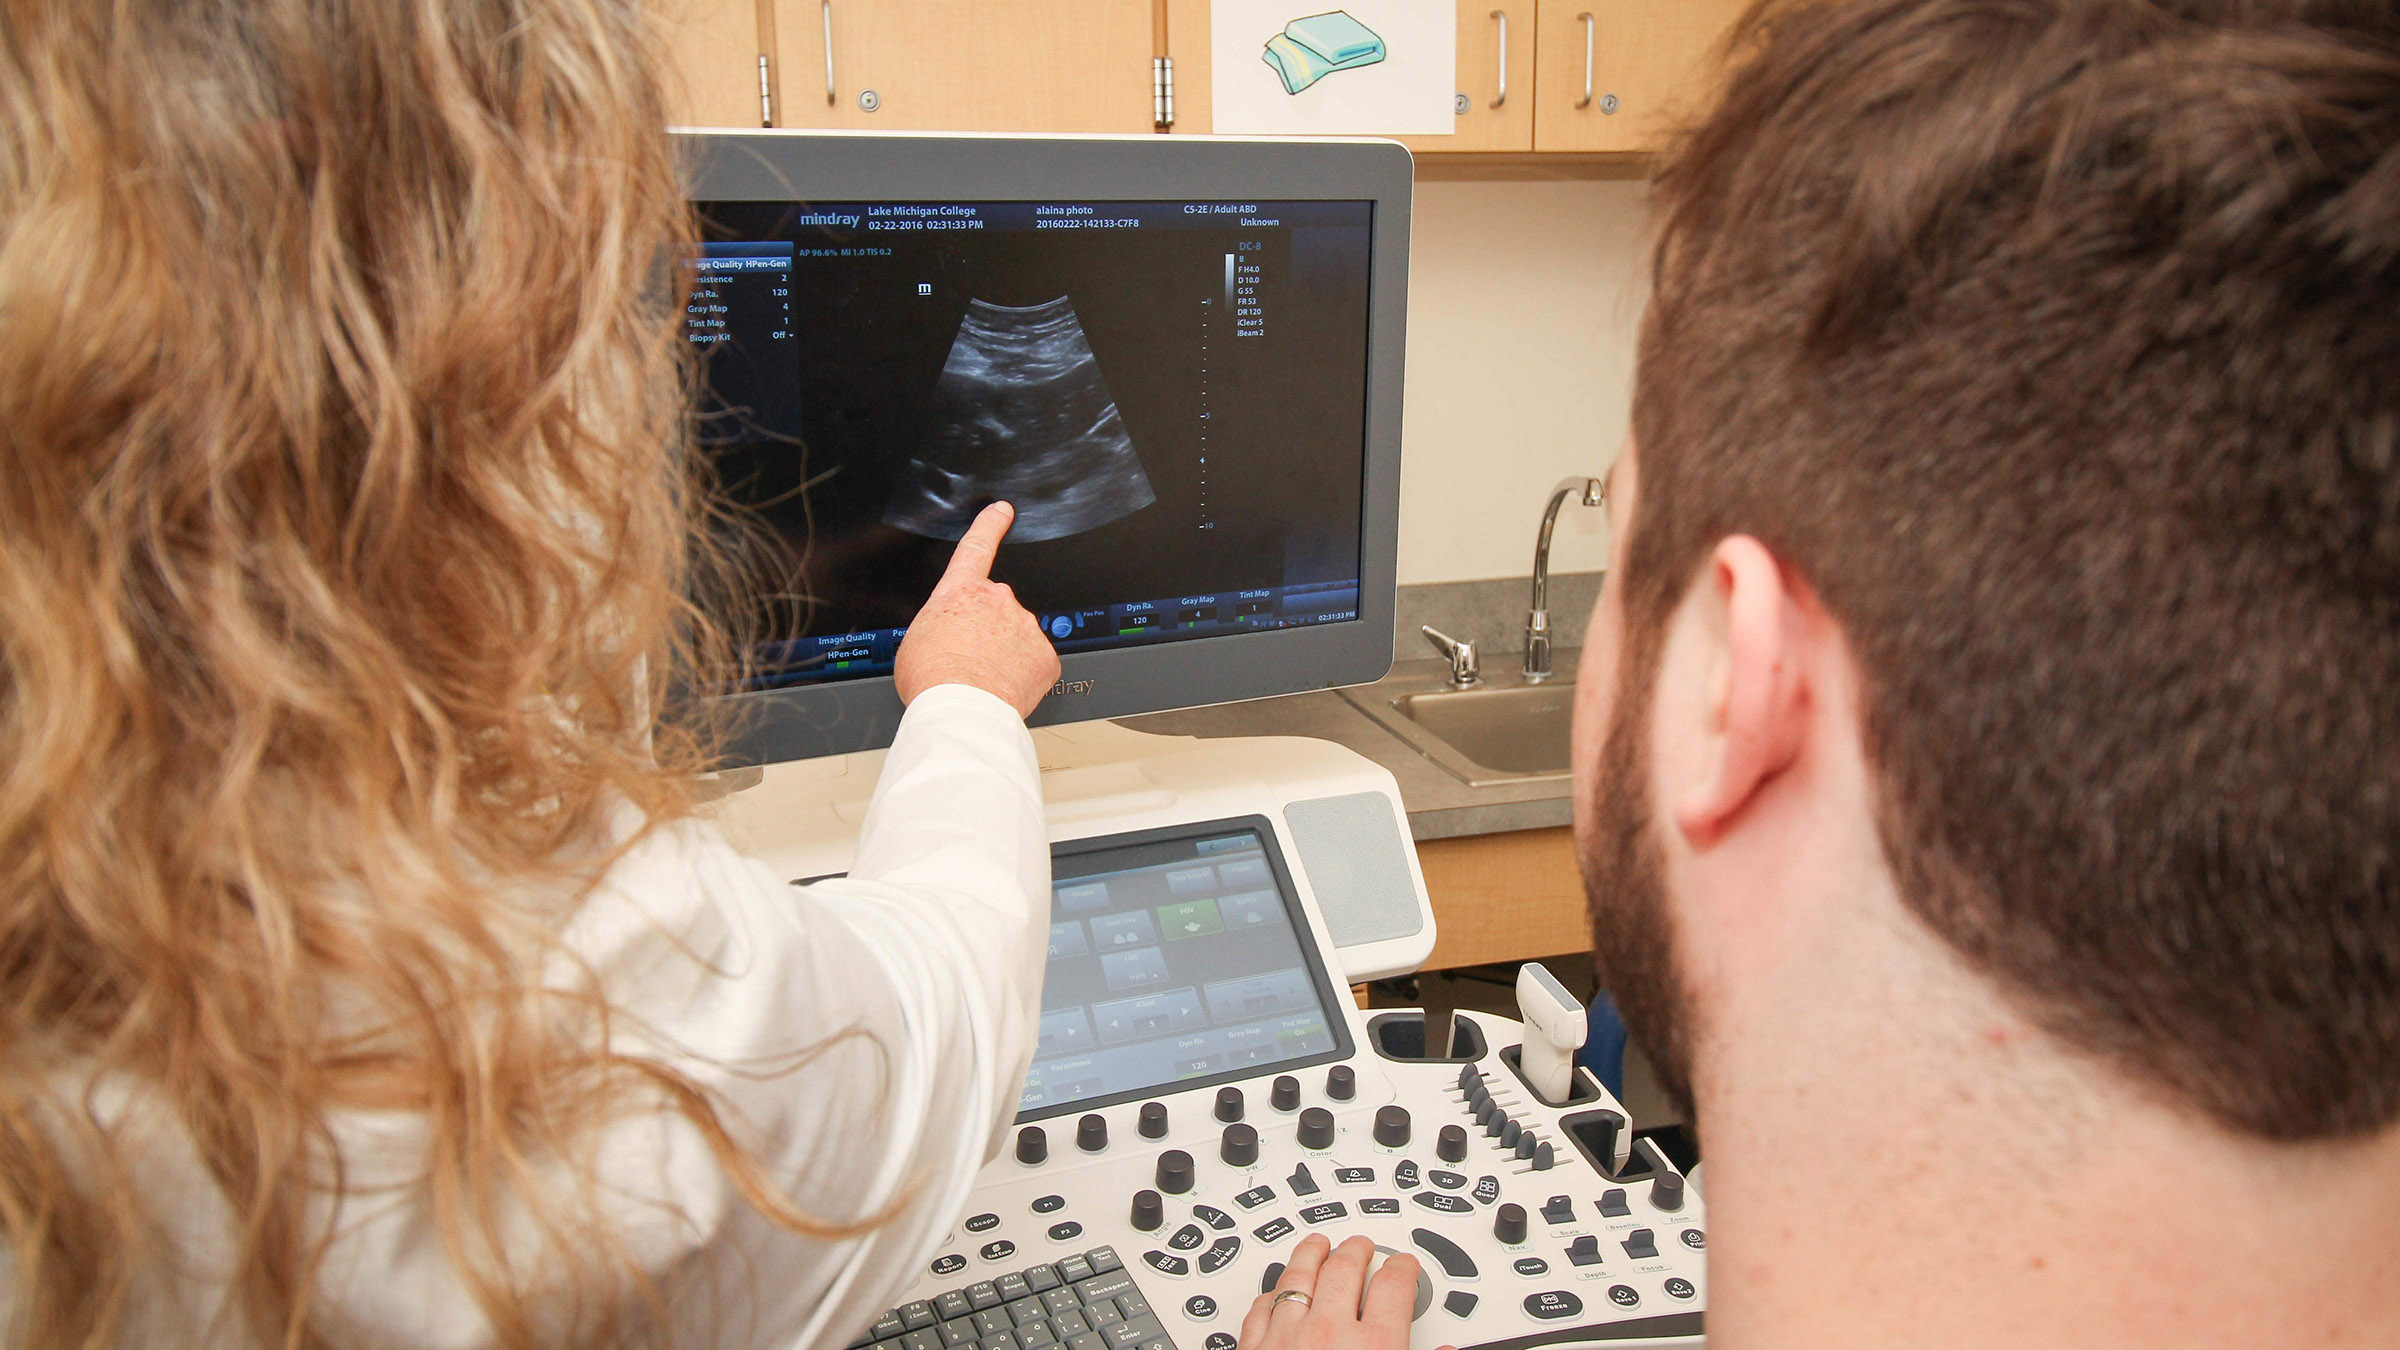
1624 881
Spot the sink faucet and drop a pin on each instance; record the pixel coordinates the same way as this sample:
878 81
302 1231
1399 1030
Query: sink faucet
1465 671
1537 623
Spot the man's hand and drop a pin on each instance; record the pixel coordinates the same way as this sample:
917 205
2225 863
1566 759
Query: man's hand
973 631
1334 1315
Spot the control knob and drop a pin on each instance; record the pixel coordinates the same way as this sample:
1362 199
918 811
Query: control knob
1666 1192
1033 1146
1452 1146
1316 1128
1239 1148
1229 1105
1174 1171
1091 1133
1341 1082
1391 1126
1286 1096
1149 1211
1508 1225
1154 1120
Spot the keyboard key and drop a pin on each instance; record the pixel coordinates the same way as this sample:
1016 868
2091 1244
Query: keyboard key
1133 1331
958 1331
1027 1309
1036 1334
1103 1259
1042 1279
923 1338
1006 1340
1060 1300
983 1294
1070 1324
917 1316
1100 1287
887 1326
1104 1314
991 1322
1012 1287
1073 1268
952 1304
1087 1340
1255 1196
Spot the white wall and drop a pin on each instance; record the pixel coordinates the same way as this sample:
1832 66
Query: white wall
1523 298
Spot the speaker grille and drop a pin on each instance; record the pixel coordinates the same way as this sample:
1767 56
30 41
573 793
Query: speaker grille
1350 848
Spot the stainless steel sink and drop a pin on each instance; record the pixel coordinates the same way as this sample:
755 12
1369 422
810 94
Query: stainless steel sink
1503 731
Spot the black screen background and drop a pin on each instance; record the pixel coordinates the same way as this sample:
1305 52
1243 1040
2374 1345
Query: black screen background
1285 445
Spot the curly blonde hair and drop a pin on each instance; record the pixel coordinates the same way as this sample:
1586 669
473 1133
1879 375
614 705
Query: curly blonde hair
344 510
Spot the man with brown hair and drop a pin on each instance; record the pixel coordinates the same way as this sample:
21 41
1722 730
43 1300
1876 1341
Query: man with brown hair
1988 764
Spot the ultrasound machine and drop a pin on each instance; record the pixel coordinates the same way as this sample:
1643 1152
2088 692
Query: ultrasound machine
1180 358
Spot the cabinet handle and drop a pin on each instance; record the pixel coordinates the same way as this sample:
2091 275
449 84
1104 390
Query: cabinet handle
1502 16
1587 78
1589 24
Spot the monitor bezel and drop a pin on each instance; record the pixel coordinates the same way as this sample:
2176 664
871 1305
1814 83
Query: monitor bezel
774 725
1304 936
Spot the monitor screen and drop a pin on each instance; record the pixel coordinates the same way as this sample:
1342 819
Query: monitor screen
1172 395
1178 959
1179 358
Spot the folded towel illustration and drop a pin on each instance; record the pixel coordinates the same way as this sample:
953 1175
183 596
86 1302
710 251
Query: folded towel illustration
1309 49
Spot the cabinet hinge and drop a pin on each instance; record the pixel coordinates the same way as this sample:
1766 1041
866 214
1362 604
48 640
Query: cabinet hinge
1162 91
766 94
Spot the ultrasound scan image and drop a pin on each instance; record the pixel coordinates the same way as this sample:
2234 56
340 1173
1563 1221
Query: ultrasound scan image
1022 415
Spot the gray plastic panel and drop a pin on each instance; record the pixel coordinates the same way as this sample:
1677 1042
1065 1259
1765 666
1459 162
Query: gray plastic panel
1351 848
777 725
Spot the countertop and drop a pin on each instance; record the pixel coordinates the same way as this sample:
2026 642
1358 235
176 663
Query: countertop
1439 805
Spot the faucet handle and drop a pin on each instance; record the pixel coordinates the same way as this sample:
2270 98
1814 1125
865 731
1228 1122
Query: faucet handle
1465 670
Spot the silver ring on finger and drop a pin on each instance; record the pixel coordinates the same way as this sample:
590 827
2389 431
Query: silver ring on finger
1299 1296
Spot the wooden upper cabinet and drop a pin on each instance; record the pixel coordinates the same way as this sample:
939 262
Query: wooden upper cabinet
1495 80
964 65
712 75
1618 75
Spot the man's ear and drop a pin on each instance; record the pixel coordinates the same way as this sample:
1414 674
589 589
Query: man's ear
1756 704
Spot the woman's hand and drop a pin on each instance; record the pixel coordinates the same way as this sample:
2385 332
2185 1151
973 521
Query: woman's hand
1317 1303
973 631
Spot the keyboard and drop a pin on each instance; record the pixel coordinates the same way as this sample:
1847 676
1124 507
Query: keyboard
1084 1302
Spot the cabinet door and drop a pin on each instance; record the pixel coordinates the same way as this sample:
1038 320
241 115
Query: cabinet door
965 65
1495 79
1618 74
712 74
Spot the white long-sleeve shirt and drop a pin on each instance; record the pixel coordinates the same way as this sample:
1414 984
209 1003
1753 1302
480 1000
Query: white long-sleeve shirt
930 950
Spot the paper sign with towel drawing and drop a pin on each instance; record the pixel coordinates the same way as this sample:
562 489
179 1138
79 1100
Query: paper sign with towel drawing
1371 67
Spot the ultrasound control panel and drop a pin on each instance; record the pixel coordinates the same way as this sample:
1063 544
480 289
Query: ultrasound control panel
1195 1111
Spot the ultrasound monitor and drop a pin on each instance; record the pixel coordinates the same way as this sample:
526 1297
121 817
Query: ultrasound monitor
1179 358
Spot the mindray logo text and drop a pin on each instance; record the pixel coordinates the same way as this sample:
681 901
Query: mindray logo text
825 218
1073 686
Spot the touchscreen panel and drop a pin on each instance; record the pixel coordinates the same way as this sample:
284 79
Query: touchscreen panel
1173 395
1176 960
